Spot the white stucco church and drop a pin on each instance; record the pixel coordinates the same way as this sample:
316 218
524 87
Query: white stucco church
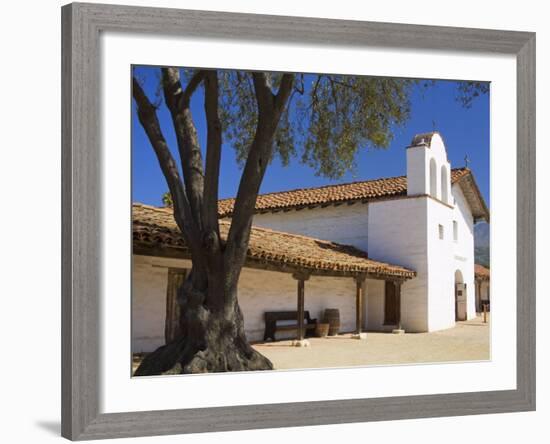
387 253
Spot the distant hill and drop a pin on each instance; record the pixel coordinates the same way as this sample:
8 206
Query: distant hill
482 241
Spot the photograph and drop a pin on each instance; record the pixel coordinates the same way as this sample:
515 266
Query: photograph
286 221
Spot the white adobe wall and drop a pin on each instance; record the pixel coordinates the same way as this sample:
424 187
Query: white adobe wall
398 235
148 304
463 249
345 224
418 171
259 291
406 232
441 273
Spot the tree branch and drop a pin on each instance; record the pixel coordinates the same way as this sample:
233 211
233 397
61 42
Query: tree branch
301 88
177 102
314 98
333 92
339 82
270 108
283 94
192 85
213 154
264 96
182 211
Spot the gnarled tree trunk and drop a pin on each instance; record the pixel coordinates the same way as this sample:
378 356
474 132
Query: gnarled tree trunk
212 340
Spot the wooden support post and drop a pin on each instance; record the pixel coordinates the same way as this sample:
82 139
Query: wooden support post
398 297
479 303
359 283
301 309
301 278
399 328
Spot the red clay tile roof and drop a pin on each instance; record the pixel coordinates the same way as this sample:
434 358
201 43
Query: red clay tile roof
482 273
154 228
332 194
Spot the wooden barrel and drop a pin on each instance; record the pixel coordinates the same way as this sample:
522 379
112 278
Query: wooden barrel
332 318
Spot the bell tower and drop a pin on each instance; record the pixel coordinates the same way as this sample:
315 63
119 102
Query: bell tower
428 170
416 232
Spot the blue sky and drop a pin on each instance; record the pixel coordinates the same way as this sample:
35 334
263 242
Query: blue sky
465 131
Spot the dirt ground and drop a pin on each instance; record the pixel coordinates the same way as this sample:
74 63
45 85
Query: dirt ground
468 341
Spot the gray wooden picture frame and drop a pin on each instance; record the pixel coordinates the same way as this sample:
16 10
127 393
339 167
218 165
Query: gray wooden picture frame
81 172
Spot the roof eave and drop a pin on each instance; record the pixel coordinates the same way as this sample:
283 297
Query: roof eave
148 249
470 180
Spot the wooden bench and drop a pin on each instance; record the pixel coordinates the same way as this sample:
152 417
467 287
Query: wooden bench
271 318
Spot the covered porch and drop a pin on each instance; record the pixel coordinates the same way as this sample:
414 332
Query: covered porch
280 267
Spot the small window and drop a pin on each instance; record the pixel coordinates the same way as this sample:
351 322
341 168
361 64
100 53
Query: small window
441 231
455 230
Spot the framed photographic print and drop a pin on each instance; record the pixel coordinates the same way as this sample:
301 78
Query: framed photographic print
278 221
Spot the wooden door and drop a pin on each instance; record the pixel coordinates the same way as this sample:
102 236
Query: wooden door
460 302
391 305
176 277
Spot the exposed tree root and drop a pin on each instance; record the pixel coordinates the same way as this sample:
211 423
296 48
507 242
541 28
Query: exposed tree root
211 344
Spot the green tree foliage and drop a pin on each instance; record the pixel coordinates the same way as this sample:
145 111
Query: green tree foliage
468 91
167 199
328 118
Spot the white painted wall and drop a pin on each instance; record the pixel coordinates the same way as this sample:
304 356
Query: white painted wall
345 224
463 249
148 304
397 234
440 271
418 171
406 232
